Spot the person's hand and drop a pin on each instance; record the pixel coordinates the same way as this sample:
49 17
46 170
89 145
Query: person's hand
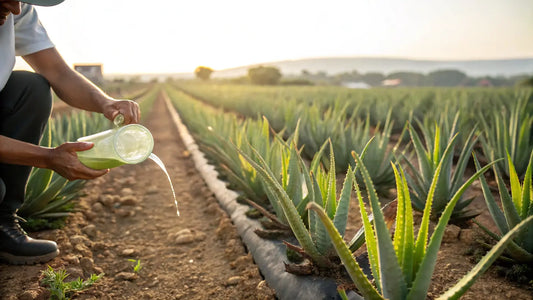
129 109
65 162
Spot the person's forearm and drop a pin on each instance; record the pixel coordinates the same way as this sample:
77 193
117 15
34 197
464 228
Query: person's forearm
68 84
79 92
21 153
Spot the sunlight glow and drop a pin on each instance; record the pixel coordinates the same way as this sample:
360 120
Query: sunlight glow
177 36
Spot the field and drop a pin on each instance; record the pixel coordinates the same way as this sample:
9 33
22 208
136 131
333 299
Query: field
130 215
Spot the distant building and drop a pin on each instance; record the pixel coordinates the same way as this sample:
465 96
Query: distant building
356 85
484 82
391 82
93 72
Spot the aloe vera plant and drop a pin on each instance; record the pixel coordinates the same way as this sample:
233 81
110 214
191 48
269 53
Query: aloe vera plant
304 188
509 130
402 266
516 207
49 195
438 150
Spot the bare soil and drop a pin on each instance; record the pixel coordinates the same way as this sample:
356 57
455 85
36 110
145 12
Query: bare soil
130 214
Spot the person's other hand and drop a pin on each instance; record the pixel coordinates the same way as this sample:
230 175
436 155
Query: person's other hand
129 109
65 162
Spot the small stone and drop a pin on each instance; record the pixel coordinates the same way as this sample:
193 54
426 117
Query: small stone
89 230
212 209
99 246
71 259
74 272
89 215
107 200
87 265
129 200
467 236
184 239
33 294
200 236
126 276
153 190
264 291
79 239
234 280
126 192
242 262
184 232
97 207
153 283
128 252
451 233
123 212
83 250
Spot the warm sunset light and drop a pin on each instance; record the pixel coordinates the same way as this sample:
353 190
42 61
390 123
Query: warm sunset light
177 36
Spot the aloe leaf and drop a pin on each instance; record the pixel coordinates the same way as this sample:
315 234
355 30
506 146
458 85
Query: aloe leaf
43 199
468 280
315 163
494 209
331 202
404 232
516 252
420 244
511 213
369 237
526 189
463 159
294 182
341 214
420 153
294 220
427 266
38 182
316 229
392 279
516 189
360 280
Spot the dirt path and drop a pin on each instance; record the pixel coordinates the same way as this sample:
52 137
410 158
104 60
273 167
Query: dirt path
130 214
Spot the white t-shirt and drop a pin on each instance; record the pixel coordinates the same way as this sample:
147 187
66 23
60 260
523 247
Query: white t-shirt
20 35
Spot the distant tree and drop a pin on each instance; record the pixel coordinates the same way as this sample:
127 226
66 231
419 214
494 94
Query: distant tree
374 79
527 82
203 73
264 75
446 78
408 78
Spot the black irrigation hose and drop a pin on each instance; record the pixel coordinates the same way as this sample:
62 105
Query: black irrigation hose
269 255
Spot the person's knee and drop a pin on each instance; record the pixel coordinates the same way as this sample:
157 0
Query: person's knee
41 96
41 88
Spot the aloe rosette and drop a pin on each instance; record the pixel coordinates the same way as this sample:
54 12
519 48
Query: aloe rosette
517 206
308 185
402 266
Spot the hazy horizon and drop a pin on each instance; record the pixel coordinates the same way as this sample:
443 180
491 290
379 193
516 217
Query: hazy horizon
175 37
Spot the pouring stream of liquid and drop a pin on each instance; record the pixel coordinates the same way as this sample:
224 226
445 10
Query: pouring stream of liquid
162 166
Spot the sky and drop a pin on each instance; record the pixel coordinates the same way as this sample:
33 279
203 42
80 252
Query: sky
173 36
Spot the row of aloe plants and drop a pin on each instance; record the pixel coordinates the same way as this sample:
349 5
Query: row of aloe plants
319 186
502 118
50 197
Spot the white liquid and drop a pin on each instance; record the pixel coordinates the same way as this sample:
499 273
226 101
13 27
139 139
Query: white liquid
162 166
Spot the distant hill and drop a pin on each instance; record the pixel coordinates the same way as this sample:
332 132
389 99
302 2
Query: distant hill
336 65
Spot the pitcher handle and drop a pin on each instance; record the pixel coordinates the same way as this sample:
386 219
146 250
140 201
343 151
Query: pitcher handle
118 120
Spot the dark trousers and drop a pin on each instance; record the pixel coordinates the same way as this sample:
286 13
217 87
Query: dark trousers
25 105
